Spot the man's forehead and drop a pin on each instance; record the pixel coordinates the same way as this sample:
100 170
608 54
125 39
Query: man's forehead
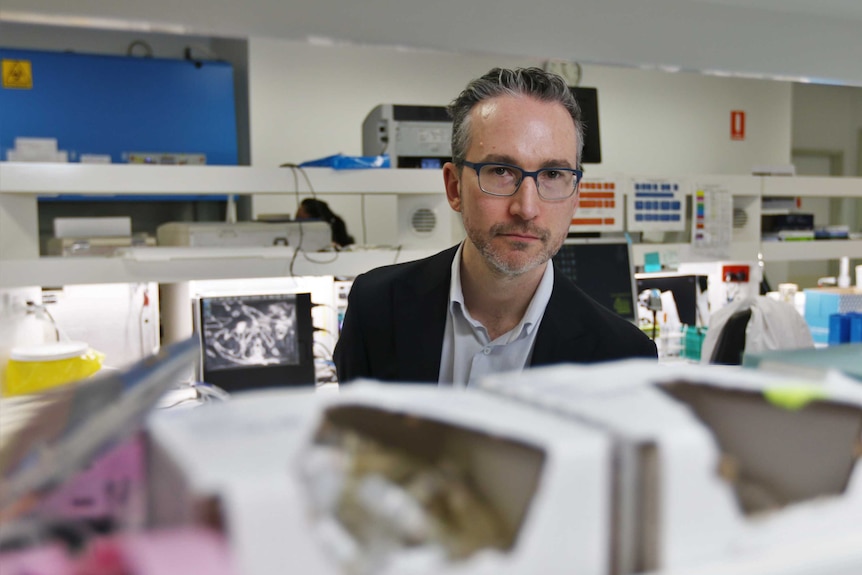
486 108
503 105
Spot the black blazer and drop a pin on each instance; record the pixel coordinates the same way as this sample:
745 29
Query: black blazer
396 316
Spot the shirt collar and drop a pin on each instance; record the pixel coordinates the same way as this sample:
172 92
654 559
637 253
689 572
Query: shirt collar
532 316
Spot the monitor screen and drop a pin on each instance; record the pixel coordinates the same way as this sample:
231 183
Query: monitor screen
588 100
603 269
685 289
256 340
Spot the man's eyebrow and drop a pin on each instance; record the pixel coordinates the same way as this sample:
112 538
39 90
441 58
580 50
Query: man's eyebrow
504 159
557 164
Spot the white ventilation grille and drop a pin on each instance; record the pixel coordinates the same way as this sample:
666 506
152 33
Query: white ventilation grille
423 221
740 218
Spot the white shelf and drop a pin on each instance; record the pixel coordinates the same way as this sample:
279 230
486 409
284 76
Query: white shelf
685 252
22 184
116 179
209 264
122 179
811 250
809 186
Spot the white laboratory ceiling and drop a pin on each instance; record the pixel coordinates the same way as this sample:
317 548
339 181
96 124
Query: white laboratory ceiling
820 40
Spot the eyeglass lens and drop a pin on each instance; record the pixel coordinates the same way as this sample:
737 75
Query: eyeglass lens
504 180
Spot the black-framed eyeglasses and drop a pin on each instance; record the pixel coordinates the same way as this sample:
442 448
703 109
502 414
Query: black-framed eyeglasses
498 179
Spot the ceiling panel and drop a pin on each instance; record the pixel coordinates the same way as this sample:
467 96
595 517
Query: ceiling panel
790 39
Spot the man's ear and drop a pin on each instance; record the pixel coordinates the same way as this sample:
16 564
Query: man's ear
452 181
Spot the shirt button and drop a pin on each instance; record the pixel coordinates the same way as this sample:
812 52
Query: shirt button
486 351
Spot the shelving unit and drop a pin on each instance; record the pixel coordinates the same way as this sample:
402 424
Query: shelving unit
22 184
118 179
812 187
811 250
784 186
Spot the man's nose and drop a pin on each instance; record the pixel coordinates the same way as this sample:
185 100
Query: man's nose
525 202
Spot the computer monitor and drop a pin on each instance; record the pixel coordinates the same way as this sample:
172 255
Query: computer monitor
686 289
251 341
603 268
588 100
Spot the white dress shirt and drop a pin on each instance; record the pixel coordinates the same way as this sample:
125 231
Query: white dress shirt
468 354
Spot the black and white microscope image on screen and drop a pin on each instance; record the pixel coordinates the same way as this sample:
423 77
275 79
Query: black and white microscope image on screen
249 331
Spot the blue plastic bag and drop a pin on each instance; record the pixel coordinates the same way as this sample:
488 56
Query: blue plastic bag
342 162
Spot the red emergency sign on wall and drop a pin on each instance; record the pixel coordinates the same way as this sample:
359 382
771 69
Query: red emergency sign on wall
737 125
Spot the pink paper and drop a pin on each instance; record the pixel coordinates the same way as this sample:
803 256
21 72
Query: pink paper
43 560
179 551
113 486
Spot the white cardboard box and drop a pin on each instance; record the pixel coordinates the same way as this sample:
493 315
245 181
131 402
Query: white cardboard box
245 458
733 475
641 469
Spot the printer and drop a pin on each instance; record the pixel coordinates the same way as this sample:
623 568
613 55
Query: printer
413 136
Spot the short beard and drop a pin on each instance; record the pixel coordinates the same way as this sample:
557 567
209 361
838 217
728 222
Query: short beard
498 263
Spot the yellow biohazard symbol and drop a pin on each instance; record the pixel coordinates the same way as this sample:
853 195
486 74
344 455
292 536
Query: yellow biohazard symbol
17 74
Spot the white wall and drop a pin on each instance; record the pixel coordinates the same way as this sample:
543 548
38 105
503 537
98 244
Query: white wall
825 119
656 122
309 101
828 118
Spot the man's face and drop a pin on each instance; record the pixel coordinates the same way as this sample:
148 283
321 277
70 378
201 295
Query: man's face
515 234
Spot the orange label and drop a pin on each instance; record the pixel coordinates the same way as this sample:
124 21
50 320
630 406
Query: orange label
737 125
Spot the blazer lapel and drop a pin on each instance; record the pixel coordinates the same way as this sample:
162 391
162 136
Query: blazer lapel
563 335
419 312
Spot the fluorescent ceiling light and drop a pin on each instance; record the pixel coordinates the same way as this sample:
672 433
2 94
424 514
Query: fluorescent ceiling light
91 22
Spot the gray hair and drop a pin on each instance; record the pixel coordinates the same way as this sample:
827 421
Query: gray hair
533 82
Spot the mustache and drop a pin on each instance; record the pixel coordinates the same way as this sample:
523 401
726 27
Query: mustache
523 229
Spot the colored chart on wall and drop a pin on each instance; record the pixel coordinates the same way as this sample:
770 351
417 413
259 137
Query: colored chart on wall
655 205
712 221
600 207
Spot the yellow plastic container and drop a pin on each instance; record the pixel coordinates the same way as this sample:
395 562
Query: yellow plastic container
36 368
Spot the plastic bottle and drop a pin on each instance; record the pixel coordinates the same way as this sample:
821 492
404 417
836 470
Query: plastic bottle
844 273
22 323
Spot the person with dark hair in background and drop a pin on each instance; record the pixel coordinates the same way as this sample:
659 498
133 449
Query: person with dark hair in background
314 209
493 303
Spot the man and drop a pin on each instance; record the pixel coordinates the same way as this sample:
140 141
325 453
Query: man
492 303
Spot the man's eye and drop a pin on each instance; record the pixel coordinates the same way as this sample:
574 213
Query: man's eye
501 172
552 174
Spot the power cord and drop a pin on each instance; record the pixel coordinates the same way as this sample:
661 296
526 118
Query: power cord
39 309
297 170
362 214
329 352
